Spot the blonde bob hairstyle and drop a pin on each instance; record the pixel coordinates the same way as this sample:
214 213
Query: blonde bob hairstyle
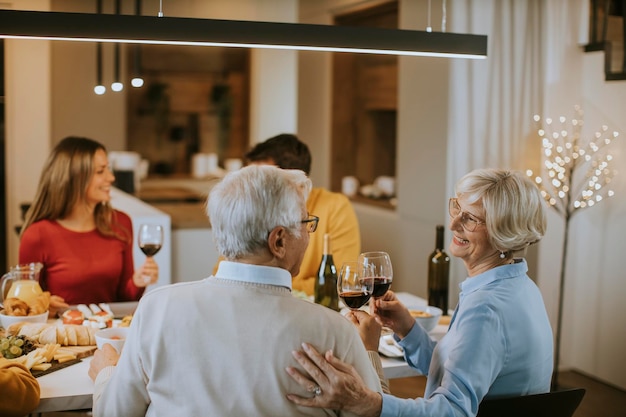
514 209
249 203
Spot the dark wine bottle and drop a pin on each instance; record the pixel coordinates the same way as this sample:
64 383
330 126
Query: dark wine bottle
438 274
326 282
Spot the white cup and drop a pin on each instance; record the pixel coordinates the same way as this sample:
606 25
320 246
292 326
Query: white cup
349 186
386 184
115 336
124 161
144 166
211 162
233 164
199 165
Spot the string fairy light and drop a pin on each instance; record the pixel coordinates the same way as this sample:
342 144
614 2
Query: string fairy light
565 155
576 174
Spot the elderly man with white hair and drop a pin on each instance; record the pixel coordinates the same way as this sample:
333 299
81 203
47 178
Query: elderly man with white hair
221 346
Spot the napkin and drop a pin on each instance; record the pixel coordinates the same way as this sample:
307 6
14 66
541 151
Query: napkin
387 346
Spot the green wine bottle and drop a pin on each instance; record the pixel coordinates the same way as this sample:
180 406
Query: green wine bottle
438 274
326 282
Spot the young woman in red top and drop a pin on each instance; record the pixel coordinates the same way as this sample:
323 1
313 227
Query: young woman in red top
84 244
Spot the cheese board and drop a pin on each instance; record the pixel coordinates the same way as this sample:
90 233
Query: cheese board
55 367
81 351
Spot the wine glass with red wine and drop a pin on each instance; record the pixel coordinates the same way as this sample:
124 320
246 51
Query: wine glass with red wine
150 240
378 266
353 289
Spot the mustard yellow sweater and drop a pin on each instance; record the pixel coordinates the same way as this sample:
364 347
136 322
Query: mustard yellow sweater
19 390
337 218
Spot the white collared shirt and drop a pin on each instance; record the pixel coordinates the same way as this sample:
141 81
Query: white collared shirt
255 274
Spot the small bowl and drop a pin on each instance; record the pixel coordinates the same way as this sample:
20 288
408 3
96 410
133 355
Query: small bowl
6 321
115 336
426 316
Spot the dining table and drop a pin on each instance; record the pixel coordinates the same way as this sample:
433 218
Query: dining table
71 388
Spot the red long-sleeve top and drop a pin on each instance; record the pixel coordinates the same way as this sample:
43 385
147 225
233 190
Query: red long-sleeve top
82 267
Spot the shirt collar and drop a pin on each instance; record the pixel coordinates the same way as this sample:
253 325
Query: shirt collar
255 274
471 284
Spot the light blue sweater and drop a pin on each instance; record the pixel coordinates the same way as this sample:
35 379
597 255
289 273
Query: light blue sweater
499 343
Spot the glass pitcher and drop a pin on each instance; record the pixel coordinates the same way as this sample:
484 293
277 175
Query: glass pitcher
22 282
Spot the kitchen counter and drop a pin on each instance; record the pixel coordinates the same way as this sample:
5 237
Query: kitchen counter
185 215
157 195
183 199
199 186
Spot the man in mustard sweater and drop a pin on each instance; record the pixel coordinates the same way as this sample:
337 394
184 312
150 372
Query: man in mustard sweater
337 217
19 390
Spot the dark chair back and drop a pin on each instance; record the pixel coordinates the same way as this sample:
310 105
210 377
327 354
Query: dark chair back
551 404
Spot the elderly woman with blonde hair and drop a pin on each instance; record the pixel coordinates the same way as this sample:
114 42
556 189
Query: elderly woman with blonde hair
499 342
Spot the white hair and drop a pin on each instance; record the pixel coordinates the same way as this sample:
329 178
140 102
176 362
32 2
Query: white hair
249 203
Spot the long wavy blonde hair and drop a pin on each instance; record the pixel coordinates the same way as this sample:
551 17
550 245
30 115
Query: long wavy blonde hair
63 184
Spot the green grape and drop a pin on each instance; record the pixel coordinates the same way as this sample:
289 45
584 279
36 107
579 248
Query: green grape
15 346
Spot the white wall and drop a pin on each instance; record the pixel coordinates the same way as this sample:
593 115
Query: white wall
274 76
194 254
28 122
593 336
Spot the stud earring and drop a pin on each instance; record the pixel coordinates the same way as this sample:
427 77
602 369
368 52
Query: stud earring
502 255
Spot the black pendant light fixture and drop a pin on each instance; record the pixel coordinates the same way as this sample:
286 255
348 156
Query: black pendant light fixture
99 89
117 84
20 24
137 80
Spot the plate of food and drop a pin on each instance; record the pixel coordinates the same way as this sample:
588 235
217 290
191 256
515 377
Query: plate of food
388 347
97 316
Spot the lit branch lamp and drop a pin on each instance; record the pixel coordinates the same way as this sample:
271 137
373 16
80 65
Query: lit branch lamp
579 175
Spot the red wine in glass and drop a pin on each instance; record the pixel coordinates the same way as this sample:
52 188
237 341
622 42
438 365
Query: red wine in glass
381 285
150 240
150 249
354 290
378 266
355 299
